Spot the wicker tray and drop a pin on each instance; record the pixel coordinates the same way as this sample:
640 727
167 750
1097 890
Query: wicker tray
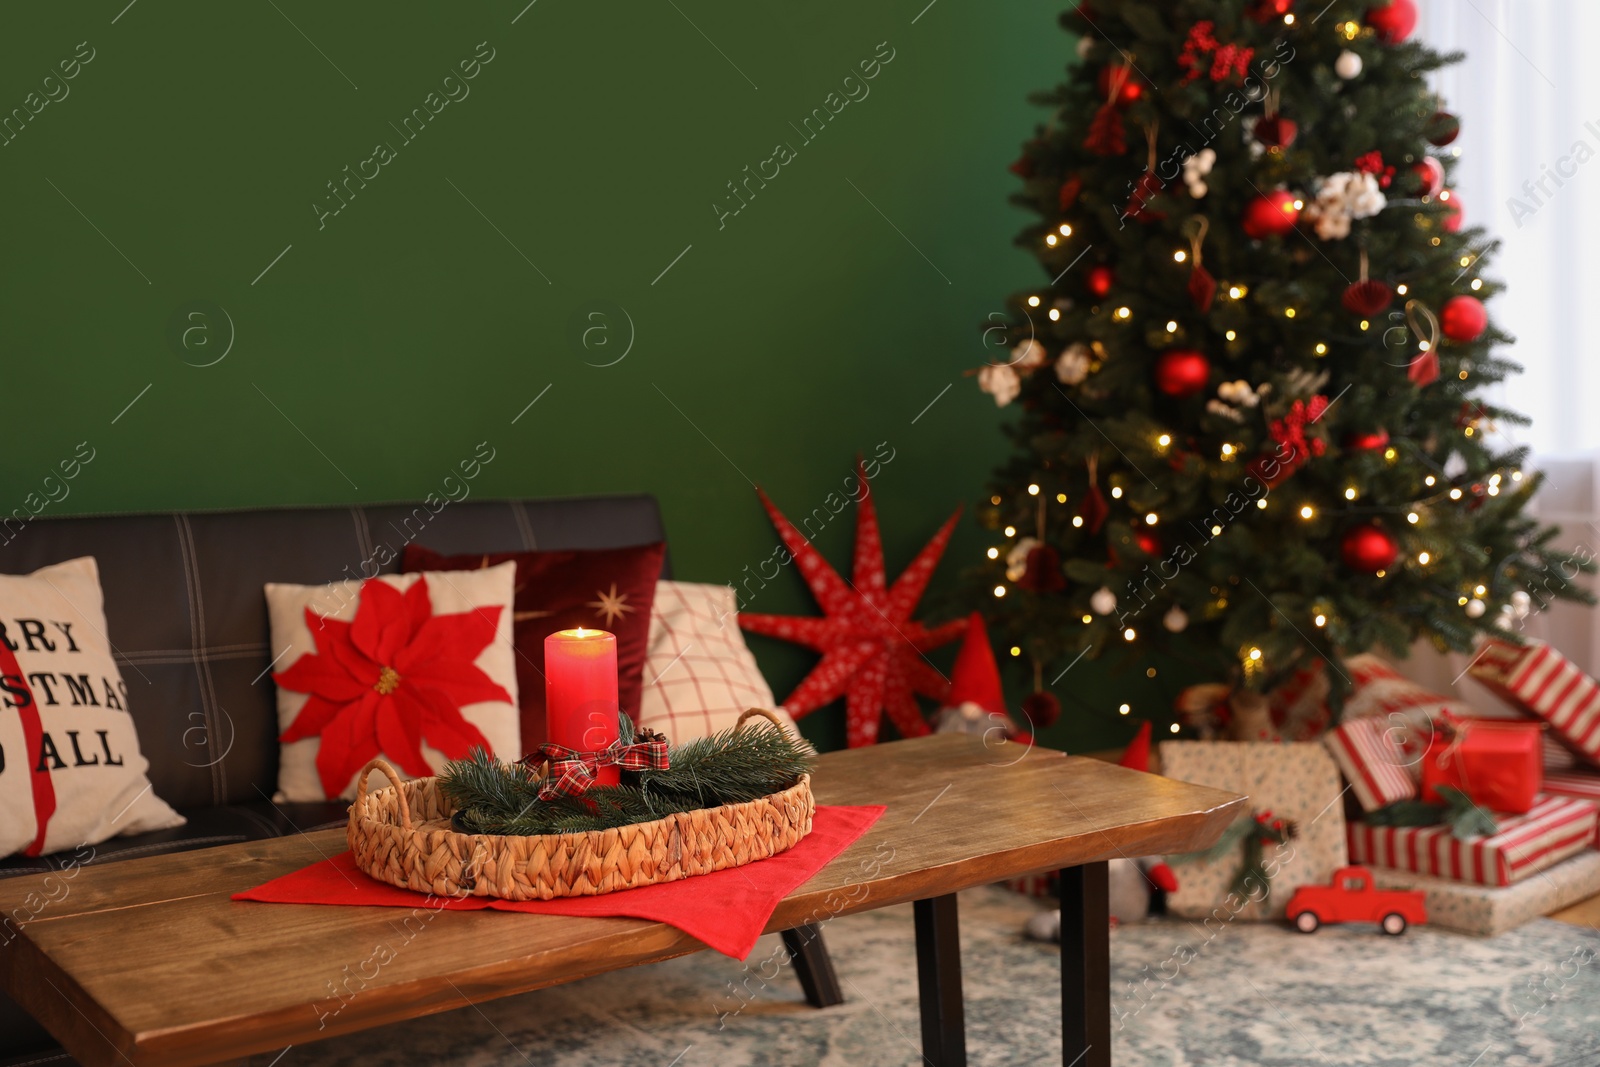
401 834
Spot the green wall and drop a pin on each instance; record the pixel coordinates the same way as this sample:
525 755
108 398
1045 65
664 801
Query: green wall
452 289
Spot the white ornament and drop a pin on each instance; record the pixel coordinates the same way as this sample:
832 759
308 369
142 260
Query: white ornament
1085 46
1348 65
1342 198
1195 169
1072 366
1176 619
1476 608
1001 381
1521 604
1017 558
1239 393
1103 601
1029 355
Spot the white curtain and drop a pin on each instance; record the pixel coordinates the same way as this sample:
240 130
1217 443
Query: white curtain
1528 96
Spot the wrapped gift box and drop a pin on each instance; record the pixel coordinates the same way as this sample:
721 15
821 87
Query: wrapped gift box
1488 911
1556 827
1496 762
1378 767
1541 680
1581 783
1294 781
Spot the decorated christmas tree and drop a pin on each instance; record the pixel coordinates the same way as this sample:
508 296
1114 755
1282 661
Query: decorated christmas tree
1254 430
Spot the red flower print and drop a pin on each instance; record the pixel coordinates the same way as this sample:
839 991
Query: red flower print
394 677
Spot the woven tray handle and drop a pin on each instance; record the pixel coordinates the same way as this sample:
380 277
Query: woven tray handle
399 788
777 723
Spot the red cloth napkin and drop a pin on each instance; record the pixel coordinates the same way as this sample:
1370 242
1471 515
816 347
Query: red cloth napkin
726 909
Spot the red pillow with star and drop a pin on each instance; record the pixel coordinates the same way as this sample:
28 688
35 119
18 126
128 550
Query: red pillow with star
605 588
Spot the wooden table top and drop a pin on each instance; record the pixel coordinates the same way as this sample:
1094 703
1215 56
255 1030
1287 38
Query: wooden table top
147 961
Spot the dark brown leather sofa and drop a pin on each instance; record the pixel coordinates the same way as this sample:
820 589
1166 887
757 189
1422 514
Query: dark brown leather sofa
188 623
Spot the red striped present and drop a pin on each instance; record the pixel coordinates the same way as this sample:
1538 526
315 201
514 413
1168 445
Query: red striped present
1542 680
1374 761
1584 784
1556 828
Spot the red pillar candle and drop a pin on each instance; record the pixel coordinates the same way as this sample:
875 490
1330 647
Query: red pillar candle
580 692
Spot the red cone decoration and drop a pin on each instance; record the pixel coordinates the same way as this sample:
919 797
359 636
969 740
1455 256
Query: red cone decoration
1424 369
1463 318
1094 509
1393 21
1182 372
1136 757
1369 299
975 679
1272 215
1069 192
1107 136
1368 548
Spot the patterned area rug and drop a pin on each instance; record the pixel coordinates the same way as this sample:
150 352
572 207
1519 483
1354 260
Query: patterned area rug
1185 996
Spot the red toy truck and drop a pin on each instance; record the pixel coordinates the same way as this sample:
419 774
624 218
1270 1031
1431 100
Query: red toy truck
1352 898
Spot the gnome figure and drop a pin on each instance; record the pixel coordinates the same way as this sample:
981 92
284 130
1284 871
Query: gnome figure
1131 884
975 705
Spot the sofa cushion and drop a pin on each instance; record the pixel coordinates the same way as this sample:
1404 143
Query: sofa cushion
604 588
417 668
71 772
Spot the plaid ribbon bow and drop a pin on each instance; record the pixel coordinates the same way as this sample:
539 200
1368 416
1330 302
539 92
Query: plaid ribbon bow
572 772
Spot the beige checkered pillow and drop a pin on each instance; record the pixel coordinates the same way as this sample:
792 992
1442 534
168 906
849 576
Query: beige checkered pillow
698 674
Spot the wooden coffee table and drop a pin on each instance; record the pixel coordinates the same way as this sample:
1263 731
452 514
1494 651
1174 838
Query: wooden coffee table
148 961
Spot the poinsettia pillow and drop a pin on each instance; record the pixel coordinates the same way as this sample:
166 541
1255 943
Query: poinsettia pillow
417 668
71 773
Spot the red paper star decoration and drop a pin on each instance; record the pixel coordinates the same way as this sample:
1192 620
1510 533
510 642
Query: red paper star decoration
872 650
394 677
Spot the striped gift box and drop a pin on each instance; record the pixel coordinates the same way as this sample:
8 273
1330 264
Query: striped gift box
1556 828
1542 680
1577 783
1375 764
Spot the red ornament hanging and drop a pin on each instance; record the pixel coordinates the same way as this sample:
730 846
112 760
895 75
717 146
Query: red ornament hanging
1368 548
1148 540
1442 128
1182 372
1041 709
872 650
1429 175
1272 215
1463 318
1107 135
1069 192
1366 297
1275 131
1129 89
1424 325
1042 571
1202 286
1423 370
1099 279
1094 510
1147 188
1392 21
1265 11
1369 441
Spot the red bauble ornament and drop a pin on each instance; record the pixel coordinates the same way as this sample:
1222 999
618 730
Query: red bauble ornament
1370 441
1369 299
1148 541
1272 215
1099 279
1131 88
1041 709
1393 21
1429 174
1182 372
1276 132
1442 129
1463 318
1269 10
872 649
1453 219
1368 548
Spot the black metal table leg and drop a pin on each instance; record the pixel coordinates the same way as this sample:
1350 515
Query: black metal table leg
813 966
944 1032
1085 967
